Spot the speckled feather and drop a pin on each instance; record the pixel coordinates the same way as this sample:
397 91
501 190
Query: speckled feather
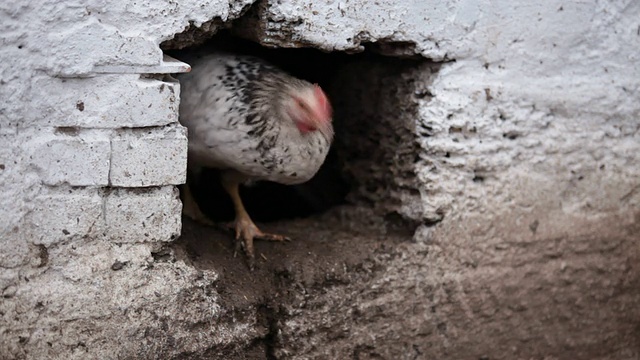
230 105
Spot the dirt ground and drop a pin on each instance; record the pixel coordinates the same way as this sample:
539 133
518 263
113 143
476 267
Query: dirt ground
336 247
351 285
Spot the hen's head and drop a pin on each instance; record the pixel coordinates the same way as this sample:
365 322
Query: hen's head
309 109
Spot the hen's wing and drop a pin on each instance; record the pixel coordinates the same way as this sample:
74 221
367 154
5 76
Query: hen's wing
214 107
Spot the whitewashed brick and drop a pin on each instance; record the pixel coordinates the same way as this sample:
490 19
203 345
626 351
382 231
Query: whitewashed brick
77 50
62 213
104 101
142 215
69 157
149 157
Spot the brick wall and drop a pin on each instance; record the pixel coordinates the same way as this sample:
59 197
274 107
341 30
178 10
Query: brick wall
528 141
90 155
91 144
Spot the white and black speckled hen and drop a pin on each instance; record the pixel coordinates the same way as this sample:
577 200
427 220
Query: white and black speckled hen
252 121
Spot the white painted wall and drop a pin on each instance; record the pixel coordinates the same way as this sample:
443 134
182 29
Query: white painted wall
89 148
563 76
79 66
90 153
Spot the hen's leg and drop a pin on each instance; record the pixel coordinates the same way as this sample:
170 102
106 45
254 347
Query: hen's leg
190 207
245 229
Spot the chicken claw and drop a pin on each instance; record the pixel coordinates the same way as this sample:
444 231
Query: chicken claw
246 231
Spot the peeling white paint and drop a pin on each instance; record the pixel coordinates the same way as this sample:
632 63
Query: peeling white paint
540 107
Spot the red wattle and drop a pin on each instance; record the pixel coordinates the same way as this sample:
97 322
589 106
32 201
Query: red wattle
305 128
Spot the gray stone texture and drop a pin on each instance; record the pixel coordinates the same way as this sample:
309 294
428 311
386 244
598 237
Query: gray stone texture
494 207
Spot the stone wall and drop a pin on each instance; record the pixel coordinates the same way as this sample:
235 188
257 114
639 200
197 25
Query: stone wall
524 187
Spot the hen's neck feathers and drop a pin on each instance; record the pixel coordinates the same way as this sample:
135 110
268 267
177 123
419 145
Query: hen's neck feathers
269 92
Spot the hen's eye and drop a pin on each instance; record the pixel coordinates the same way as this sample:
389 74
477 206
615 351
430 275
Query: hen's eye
302 105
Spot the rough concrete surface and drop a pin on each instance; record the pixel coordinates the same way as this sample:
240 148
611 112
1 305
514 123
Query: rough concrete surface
493 209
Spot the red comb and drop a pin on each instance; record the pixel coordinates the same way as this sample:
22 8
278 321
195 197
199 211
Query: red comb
322 99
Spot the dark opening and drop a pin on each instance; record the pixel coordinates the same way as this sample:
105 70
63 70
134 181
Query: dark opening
269 201
359 142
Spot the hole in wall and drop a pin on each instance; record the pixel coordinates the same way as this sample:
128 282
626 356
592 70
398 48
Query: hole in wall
353 210
372 161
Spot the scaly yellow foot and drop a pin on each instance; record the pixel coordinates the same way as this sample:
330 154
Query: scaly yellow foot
244 227
246 231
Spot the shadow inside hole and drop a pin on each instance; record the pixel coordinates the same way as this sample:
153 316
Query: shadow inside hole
269 201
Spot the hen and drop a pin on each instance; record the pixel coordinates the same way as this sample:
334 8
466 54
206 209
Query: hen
252 121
